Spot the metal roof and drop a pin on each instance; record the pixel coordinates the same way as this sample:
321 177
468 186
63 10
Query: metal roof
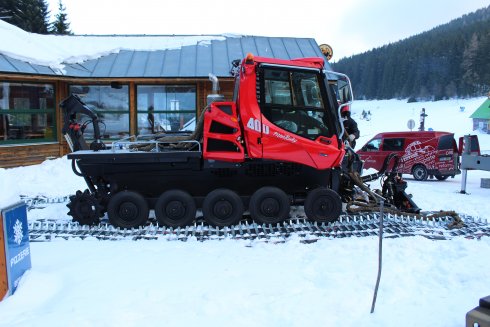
188 61
483 111
11 65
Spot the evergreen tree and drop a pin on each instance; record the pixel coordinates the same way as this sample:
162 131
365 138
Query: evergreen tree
29 15
61 25
482 64
447 61
470 76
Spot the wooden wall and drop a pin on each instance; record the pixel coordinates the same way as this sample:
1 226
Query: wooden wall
13 155
23 155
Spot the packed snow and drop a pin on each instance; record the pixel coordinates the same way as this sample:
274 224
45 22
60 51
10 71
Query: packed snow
252 283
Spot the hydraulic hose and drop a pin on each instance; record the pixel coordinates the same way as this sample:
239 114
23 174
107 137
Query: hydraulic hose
383 169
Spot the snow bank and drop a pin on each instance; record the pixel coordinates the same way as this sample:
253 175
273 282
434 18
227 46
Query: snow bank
241 283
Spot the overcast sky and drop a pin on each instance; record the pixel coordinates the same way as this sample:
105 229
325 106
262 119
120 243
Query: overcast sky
349 26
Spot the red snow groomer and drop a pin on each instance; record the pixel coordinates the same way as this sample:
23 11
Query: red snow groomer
277 144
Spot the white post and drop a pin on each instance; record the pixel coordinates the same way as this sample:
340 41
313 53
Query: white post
466 151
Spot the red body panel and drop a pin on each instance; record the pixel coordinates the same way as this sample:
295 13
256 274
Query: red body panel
224 114
474 145
313 62
279 144
250 110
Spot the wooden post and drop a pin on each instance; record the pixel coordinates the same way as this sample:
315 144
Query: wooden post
133 115
3 264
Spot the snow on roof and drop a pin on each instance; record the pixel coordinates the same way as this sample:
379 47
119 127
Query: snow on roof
56 50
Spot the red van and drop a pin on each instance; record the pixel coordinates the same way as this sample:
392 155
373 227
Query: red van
422 154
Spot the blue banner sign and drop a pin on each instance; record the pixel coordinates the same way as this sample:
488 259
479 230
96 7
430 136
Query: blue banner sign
17 249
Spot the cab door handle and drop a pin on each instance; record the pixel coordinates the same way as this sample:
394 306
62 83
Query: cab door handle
325 141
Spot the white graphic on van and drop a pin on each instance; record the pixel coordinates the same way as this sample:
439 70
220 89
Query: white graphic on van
417 152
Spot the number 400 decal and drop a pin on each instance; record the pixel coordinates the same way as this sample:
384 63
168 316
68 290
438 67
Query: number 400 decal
256 125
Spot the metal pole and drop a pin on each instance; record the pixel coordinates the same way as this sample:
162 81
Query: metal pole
380 253
466 151
463 181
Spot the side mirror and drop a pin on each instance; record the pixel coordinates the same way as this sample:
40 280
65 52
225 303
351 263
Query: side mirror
343 87
343 90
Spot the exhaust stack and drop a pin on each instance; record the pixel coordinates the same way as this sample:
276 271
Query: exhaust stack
214 96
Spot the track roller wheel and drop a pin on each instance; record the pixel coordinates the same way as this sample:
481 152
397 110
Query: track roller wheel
323 205
222 207
175 208
85 208
127 209
269 205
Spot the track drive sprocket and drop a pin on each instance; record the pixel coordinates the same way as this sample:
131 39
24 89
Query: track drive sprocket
85 208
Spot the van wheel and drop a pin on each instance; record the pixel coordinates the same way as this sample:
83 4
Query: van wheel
441 177
419 172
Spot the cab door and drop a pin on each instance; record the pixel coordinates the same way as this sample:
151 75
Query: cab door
297 124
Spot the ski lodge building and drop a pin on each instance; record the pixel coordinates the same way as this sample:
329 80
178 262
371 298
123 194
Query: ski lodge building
481 117
125 78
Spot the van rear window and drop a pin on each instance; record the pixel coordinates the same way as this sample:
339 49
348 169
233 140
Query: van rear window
393 144
446 142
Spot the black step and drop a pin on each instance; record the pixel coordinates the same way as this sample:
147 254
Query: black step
485 302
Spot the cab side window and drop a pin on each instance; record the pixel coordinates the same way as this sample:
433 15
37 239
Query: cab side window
277 88
395 144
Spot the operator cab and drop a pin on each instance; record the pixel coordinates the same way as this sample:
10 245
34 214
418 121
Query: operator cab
289 111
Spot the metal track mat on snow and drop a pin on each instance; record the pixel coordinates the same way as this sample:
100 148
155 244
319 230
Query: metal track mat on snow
360 225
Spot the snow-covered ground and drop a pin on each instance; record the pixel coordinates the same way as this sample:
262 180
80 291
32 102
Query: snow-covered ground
449 116
250 283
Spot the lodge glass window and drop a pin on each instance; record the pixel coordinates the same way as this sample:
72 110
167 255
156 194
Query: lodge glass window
27 112
292 100
165 108
111 103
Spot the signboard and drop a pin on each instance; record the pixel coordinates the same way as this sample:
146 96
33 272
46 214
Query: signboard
411 124
16 241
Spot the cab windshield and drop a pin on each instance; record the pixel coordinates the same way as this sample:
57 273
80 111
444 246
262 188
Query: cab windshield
292 100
